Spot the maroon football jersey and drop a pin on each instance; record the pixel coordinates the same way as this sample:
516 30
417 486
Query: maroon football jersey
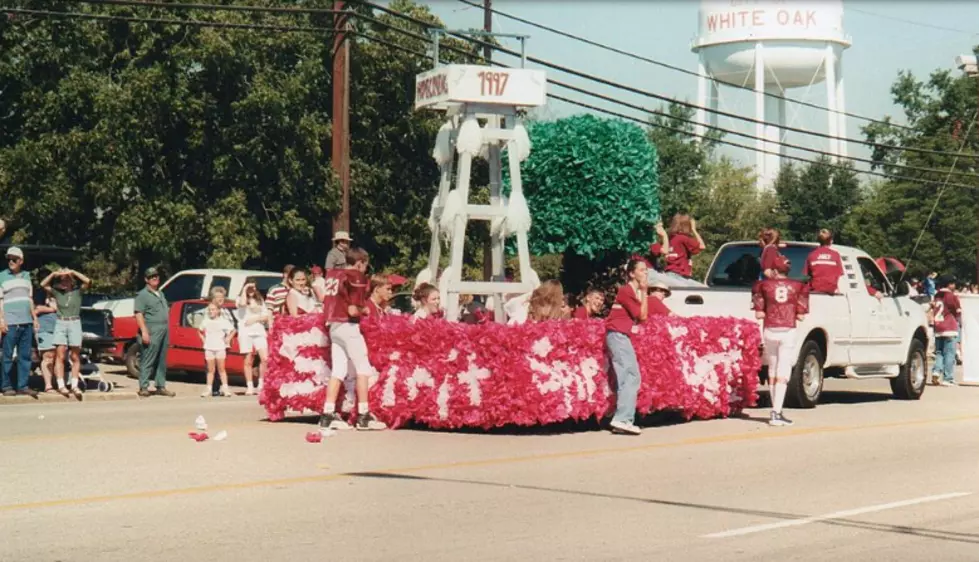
343 288
946 309
782 300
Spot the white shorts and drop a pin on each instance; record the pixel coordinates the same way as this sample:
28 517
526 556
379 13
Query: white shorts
781 354
248 344
210 354
347 345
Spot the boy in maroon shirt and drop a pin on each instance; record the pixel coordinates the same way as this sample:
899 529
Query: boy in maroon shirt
780 302
946 309
344 303
591 305
824 267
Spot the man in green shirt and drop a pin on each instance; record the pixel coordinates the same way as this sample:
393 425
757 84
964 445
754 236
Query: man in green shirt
68 328
153 318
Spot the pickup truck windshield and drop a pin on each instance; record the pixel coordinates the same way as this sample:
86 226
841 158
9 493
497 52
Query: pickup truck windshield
739 265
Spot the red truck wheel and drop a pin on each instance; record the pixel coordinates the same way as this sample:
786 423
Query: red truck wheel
131 358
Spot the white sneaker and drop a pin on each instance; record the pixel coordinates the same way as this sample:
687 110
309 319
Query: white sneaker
625 428
778 420
250 392
206 394
225 392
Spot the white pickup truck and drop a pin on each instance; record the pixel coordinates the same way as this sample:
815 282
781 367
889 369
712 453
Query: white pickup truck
849 335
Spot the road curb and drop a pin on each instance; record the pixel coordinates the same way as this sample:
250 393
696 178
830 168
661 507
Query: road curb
45 398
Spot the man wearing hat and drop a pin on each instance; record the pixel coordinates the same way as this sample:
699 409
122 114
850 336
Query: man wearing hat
153 317
337 258
659 292
18 323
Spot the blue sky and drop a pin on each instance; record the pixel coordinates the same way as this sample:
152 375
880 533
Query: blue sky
882 46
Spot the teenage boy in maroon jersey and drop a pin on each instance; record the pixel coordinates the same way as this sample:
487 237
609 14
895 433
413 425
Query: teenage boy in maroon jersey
344 302
824 266
780 302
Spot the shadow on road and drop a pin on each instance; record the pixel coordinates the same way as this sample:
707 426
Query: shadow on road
853 397
969 538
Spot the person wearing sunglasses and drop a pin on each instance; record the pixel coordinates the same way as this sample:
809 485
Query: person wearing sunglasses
18 323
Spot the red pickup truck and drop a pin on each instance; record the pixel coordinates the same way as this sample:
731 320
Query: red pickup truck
186 352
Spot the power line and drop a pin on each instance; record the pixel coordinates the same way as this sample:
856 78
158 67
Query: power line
558 83
578 103
186 22
209 7
676 118
662 64
909 22
632 89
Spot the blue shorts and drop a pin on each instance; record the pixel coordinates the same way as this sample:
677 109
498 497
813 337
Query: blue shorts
45 341
68 332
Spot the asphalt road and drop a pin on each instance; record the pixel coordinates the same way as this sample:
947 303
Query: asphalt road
862 477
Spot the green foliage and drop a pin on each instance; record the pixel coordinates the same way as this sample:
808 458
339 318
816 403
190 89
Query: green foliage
940 113
591 185
188 146
816 196
683 159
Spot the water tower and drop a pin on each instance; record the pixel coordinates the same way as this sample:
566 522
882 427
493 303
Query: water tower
772 45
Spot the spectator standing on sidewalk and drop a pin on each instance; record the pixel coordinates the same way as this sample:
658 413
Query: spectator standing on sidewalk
47 318
337 258
18 323
947 312
68 328
275 299
153 317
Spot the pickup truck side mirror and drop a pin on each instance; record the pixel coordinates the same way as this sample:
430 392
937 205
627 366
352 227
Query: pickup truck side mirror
902 289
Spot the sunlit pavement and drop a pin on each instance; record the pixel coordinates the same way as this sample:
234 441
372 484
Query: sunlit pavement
862 477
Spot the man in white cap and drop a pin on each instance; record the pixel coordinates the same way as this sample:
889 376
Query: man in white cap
337 258
18 322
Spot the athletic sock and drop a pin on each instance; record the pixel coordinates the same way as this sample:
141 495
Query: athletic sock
362 408
779 397
330 409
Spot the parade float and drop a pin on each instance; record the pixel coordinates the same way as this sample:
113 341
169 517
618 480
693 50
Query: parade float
446 374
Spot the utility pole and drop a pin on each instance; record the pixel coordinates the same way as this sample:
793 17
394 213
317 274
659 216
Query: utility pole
340 155
969 64
488 55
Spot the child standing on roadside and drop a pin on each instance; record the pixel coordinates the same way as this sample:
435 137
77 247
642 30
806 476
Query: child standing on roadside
254 319
216 334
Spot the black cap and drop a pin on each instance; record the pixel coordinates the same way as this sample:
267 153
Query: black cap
944 281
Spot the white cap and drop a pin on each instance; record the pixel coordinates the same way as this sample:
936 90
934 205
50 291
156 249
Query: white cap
342 235
15 252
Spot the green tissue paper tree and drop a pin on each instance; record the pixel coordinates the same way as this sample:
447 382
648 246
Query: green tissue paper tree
592 187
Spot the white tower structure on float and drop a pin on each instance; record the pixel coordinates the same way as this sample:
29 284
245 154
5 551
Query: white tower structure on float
772 45
481 104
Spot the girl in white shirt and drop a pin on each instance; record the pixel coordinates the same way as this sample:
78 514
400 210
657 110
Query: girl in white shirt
216 334
429 302
301 299
254 319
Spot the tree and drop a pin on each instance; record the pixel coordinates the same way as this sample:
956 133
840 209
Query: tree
820 195
897 219
732 209
149 143
683 159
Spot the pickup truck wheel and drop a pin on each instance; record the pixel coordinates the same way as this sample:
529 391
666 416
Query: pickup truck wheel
806 385
132 360
910 381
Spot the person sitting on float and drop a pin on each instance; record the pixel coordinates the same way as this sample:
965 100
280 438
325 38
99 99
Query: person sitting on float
547 302
770 240
684 243
592 304
381 293
658 292
429 302
824 267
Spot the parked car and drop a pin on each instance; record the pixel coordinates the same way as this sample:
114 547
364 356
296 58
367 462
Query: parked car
186 285
850 335
186 351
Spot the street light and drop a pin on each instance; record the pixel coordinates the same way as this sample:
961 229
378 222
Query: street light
970 66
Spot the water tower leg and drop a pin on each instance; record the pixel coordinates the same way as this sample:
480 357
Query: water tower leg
523 248
713 103
760 116
496 201
701 98
841 106
834 118
774 133
435 250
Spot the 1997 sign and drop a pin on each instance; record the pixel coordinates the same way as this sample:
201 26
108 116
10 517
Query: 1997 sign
493 83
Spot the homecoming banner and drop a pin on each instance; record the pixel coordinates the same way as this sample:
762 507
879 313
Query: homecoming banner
452 375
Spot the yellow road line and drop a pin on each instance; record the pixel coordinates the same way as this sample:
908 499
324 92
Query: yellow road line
753 436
